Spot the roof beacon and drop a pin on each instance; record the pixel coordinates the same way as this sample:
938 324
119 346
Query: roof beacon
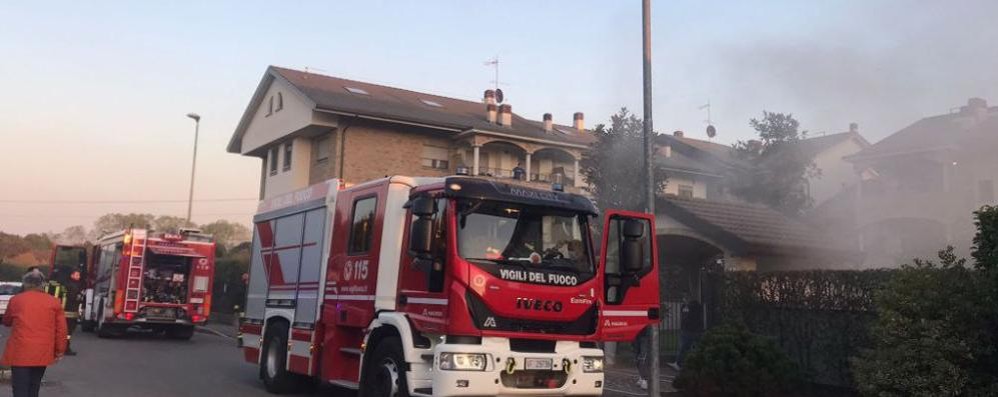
462 170
557 187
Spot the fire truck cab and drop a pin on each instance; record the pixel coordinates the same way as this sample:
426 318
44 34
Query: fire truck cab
453 286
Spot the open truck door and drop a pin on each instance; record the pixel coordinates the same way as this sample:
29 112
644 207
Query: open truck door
629 266
68 262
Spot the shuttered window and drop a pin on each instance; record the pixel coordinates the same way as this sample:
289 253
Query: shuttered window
435 157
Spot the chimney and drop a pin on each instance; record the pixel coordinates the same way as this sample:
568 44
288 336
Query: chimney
978 108
853 128
490 111
677 134
579 121
548 122
505 115
490 97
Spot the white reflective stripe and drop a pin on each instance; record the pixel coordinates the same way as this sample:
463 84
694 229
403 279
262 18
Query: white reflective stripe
351 297
427 301
300 348
624 313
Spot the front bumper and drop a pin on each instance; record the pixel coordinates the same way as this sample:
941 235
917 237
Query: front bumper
497 379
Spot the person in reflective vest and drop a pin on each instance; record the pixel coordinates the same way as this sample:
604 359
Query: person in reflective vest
67 291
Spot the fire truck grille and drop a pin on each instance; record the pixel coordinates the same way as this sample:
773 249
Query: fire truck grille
486 320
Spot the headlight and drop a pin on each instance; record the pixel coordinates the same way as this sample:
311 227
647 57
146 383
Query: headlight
463 361
592 364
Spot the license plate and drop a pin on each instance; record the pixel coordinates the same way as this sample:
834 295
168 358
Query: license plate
537 363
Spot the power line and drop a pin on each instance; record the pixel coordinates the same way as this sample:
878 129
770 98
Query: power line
121 201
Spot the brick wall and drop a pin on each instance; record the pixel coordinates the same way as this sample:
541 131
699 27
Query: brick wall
374 150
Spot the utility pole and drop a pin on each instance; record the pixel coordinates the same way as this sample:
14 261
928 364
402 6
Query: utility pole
653 381
190 196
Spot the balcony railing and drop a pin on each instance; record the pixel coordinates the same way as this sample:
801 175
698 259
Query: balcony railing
565 179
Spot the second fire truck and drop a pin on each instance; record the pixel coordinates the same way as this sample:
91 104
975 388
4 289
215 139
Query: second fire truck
140 278
452 286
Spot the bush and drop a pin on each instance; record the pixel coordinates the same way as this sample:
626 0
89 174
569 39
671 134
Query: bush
731 361
985 250
819 318
934 334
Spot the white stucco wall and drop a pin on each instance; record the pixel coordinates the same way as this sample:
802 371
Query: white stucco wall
295 178
836 173
264 129
699 186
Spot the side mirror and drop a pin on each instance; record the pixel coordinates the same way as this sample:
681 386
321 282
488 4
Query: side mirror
421 236
423 206
631 249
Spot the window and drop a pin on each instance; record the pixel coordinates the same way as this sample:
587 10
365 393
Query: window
435 157
428 102
355 90
273 160
321 145
280 102
685 191
985 191
270 106
287 156
362 228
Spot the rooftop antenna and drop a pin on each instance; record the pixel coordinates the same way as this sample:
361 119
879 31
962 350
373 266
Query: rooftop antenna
494 62
711 131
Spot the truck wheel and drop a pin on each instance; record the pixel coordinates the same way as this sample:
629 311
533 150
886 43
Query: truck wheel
274 363
384 374
105 330
181 332
88 325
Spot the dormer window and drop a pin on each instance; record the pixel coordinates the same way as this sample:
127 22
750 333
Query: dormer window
355 90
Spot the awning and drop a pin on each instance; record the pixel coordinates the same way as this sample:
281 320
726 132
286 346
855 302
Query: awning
174 251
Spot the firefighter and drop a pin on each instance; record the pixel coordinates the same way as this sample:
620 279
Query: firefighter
67 291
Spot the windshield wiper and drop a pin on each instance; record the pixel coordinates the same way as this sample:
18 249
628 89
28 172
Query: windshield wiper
521 264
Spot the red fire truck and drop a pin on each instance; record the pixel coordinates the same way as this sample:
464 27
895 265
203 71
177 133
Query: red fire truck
453 286
152 280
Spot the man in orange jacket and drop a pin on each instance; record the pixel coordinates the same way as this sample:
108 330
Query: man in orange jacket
38 338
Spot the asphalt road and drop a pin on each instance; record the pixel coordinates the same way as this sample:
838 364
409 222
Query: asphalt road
207 365
144 365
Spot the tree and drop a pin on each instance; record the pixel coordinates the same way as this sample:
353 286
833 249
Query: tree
110 223
169 223
985 250
777 169
614 168
227 233
73 235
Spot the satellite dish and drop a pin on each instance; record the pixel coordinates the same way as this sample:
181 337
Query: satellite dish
711 131
499 95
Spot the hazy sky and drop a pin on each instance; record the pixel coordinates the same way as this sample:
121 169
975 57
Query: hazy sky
94 93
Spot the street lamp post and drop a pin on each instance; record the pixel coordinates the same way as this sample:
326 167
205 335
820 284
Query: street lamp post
653 340
190 196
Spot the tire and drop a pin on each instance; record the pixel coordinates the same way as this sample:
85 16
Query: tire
180 332
384 371
105 330
274 361
88 325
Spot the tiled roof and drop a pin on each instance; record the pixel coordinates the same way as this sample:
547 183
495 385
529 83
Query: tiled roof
938 132
331 93
745 227
814 145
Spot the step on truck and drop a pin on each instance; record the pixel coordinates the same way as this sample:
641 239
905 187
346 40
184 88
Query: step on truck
453 286
140 278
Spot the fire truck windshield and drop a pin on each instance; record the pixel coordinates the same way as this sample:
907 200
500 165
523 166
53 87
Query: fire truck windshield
529 237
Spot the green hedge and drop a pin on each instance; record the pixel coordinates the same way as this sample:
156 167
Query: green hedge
819 318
